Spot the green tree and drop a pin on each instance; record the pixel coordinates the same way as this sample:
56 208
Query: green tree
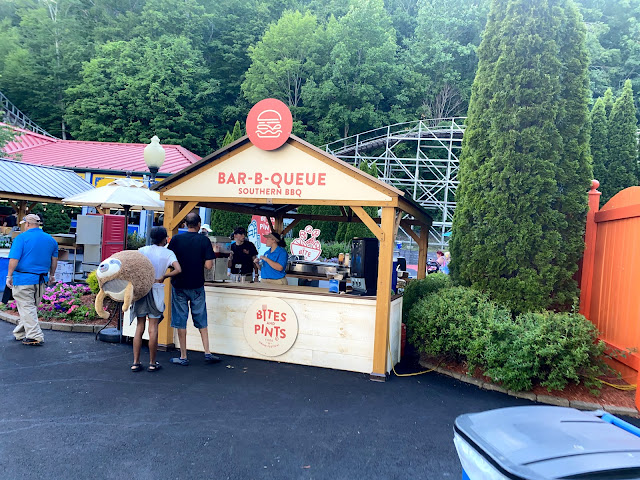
224 223
622 168
280 60
515 188
608 102
574 168
443 56
599 140
347 231
233 136
55 218
357 86
136 89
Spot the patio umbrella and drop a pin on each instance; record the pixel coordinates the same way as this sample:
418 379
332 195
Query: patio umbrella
123 193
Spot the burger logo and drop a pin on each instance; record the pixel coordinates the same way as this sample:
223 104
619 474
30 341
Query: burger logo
269 124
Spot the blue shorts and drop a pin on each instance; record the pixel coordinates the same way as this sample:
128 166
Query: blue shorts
180 300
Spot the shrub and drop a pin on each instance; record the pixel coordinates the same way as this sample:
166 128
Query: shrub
92 281
448 322
550 349
135 241
418 289
330 250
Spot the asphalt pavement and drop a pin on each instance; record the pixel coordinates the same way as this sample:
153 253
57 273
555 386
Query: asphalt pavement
71 409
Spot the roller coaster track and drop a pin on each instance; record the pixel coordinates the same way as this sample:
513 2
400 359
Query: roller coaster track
11 115
420 158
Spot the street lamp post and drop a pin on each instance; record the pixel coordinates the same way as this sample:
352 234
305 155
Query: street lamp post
154 158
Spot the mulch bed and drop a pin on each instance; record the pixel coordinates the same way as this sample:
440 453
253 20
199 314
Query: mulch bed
608 395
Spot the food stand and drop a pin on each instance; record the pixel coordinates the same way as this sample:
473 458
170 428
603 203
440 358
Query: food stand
296 324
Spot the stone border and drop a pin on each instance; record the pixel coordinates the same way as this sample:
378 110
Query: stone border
64 327
546 399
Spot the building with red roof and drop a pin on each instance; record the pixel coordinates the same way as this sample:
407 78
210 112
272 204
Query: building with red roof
97 162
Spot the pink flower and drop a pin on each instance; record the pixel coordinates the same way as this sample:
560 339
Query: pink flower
73 307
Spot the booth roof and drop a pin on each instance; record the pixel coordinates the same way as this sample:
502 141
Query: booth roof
93 156
26 180
269 209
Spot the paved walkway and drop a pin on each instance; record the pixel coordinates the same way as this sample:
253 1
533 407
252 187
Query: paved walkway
72 409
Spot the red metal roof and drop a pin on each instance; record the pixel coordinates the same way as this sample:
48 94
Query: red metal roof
93 156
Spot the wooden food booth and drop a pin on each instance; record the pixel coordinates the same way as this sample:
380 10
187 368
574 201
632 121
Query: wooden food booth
323 329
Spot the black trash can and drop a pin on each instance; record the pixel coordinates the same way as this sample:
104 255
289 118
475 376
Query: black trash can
542 443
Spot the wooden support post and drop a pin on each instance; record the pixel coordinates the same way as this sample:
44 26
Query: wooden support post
279 225
588 260
179 217
423 245
383 298
22 211
291 226
165 332
410 232
379 232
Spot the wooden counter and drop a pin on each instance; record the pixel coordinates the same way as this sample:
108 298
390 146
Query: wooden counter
334 330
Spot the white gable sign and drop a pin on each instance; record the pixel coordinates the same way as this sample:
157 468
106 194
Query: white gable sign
287 173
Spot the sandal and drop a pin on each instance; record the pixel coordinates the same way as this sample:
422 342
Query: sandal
136 367
180 361
154 367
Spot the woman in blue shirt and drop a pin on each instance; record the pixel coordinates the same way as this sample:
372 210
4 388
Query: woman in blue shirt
274 260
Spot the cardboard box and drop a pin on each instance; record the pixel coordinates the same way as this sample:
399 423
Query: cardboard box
63 255
64 267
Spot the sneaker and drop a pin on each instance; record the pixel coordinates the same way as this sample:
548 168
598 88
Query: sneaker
14 339
211 358
180 361
32 342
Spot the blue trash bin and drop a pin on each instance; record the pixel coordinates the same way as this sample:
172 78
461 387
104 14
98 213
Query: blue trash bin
544 443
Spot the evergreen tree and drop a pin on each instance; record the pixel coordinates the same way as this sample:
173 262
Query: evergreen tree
622 170
359 229
574 168
608 102
224 223
233 136
599 140
518 191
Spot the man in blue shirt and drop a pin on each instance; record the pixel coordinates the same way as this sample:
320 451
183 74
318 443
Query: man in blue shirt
33 259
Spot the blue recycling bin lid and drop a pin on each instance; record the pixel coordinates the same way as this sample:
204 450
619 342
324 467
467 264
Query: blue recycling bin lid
544 442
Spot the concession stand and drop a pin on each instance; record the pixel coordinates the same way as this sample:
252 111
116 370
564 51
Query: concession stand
271 174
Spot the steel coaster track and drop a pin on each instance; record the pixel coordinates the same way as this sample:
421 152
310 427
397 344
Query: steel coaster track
420 158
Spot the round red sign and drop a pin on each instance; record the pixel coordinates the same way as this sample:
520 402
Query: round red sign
269 124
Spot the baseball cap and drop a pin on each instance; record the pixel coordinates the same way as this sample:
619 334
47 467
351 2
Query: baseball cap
31 218
206 227
240 231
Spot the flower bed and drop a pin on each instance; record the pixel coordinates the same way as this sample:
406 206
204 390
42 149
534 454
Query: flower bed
64 302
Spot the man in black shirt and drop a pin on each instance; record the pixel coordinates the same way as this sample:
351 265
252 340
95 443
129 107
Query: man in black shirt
244 255
194 253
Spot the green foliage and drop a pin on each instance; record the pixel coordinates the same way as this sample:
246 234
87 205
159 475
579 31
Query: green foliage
416 290
281 61
55 218
224 223
550 349
330 250
599 139
92 281
348 231
524 170
448 322
233 136
187 70
135 241
622 168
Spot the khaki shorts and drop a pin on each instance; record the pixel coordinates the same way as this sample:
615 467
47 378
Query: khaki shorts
275 281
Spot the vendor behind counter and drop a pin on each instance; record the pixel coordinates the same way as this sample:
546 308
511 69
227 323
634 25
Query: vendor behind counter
243 259
274 261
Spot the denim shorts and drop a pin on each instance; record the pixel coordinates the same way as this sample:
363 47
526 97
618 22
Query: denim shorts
180 300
